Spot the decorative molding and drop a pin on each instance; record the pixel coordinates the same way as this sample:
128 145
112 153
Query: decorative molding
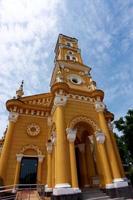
53 138
91 139
29 111
60 100
110 125
100 137
81 73
13 116
99 106
33 129
49 121
71 134
91 87
19 157
49 146
81 98
83 119
66 70
40 101
31 146
59 77
40 158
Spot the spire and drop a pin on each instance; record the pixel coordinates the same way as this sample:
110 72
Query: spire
20 91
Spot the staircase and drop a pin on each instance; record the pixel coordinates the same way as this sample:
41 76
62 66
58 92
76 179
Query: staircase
96 194
27 195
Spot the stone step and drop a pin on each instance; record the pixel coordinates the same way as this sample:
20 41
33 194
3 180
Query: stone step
96 194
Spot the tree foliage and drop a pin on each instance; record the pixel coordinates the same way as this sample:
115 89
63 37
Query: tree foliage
125 141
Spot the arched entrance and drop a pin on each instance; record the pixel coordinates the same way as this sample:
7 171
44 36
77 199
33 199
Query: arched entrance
31 155
86 153
28 170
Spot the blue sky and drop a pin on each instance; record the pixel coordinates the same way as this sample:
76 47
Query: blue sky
28 34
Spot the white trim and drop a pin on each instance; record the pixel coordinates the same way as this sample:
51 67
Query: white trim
120 184
37 156
109 186
19 157
63 185
62 191
118 180
48 189
27 115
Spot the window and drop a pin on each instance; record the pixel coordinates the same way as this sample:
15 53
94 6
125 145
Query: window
74 80
68 57
74 59
69 44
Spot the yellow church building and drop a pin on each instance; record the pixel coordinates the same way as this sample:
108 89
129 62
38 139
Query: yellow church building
62 139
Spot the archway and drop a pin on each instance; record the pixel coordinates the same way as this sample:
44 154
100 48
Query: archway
29 164
85 150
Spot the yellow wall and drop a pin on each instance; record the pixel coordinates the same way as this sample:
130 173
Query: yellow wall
77 108
21 138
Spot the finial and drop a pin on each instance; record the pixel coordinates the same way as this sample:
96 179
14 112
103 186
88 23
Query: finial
20 91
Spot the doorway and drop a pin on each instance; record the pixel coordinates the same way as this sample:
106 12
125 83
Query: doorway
28 170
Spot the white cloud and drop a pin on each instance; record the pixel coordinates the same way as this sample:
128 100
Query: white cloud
27 33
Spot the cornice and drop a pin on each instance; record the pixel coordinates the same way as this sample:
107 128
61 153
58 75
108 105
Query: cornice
20 104
37 96
34 107
93 94
60 86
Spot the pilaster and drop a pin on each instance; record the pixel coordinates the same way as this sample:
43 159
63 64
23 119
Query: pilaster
39 170
110 125
100 138
13 116
61 176
17 172
112 160
49 166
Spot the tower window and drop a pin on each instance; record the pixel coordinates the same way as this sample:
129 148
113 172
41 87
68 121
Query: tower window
68 57
69 44
70 52
74 80
74 59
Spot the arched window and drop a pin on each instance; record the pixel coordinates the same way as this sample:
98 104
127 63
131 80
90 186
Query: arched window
68 57
70 52
73 58
69 44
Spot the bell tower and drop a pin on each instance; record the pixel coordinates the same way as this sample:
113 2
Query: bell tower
67 49
69 66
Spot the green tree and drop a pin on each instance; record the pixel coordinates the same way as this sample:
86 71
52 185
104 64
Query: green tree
125 142
123 150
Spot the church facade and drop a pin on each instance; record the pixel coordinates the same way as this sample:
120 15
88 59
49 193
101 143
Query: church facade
64 138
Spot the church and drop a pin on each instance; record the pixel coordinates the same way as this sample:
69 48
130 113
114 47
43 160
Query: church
62 139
